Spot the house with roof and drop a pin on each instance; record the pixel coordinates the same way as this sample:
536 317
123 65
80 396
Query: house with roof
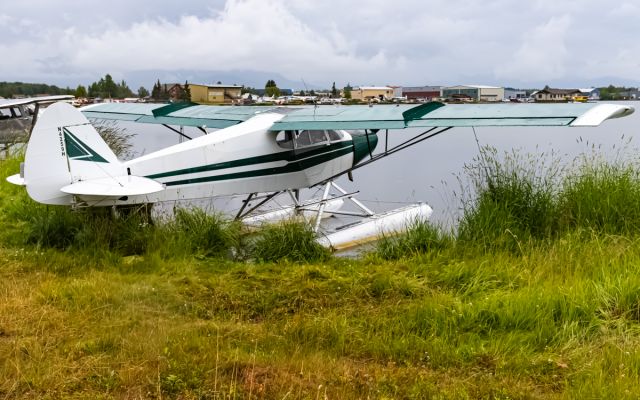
550 95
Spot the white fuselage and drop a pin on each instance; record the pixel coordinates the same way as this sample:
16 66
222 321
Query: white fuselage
241 159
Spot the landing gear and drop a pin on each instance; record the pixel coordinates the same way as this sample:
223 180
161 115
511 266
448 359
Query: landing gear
368 227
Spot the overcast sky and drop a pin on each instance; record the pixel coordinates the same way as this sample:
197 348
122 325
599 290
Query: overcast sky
363 42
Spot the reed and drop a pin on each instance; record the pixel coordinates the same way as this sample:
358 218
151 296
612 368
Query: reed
201 233
602 195
421 237
289 240
509 200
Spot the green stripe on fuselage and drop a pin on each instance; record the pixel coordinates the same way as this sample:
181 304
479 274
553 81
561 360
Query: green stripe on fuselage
306 160
289 156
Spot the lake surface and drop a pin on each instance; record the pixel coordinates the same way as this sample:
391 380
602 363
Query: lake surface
429 171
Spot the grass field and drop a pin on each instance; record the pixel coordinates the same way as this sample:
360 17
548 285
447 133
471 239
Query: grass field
536 296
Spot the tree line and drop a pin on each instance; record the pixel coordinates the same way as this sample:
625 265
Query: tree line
106 88
615 92
10 89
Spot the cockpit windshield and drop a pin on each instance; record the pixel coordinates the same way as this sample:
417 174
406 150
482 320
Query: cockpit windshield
301 139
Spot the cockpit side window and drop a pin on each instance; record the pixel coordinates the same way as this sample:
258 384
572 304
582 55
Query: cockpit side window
335 136
311 138
284 139
301 139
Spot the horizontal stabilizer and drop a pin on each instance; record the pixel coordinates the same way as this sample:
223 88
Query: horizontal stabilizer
16 180
118 186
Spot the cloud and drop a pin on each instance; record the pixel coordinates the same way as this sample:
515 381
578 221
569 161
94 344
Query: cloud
361 41
542 55
247 34
627 10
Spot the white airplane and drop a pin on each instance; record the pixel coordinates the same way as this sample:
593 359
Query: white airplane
16 115
255 150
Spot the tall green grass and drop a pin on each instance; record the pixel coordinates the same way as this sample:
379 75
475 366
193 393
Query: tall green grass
510 199
290 240
192 232
421 237
601 195
513 199
204 233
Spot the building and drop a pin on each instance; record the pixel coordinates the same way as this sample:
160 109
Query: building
592 93
629 94
549 95
474 92
422 92
397 91
214 94
263 92
367 93
174 90
515 94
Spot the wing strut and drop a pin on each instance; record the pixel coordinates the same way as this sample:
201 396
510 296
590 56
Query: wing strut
408 143
177 131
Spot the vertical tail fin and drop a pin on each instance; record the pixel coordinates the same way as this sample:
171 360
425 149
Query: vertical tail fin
65 148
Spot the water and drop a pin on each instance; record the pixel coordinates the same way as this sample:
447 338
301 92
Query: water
429 171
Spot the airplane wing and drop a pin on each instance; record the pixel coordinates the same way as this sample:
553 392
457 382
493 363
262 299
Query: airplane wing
534 114
5 103
183 114
435 114
401 116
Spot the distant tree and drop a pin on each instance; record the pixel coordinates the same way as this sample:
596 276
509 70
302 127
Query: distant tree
106 87
93 90
10 89
347 91
611 92
312 92
156 92
123 90
302 93
142 92
109 87
81 91
334 91
271 89
185 93
248 89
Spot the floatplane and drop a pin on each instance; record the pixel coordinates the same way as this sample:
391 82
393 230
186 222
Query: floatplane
257 153
16 117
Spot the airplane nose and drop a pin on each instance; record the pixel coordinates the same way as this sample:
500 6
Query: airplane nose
363 145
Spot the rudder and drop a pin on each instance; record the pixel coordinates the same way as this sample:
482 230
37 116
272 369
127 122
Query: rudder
65 148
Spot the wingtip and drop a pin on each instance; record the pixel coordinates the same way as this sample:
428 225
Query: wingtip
602 112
